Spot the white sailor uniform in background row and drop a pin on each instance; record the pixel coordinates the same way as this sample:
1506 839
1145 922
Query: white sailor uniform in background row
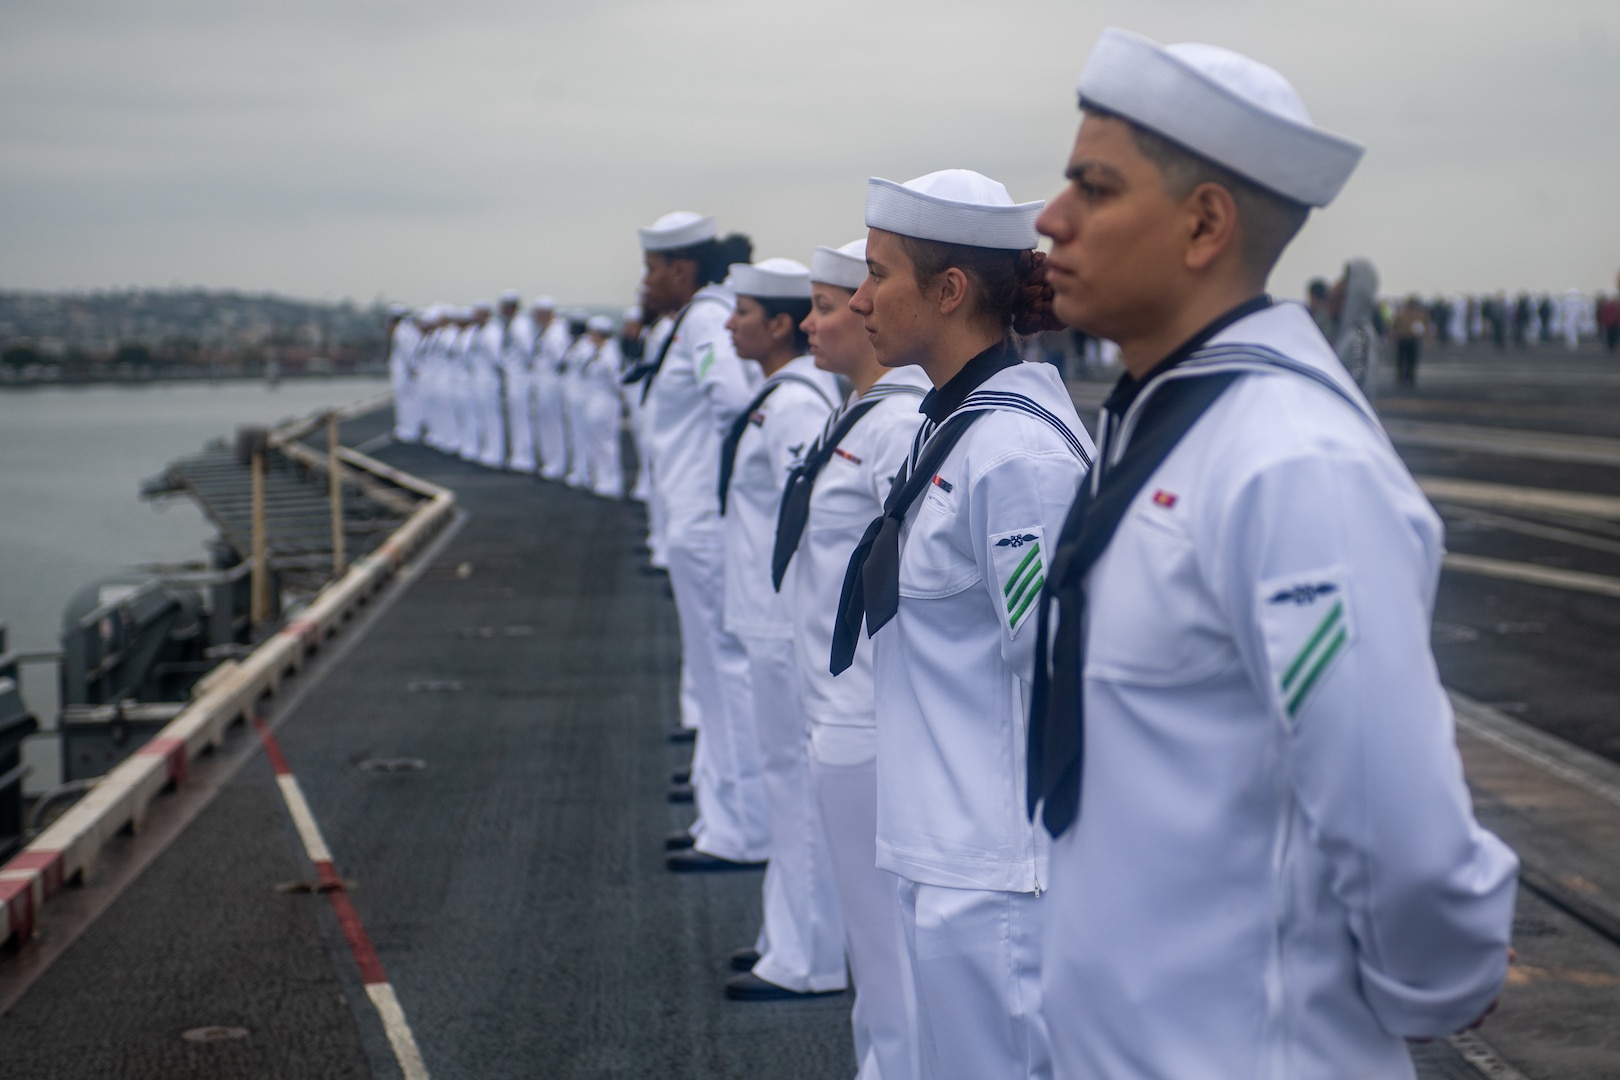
698 390
803 927
488 408
847 492
404 344
1267 865
595 409
550 422
517 355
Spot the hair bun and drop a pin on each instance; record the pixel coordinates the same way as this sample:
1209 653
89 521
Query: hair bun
1034 312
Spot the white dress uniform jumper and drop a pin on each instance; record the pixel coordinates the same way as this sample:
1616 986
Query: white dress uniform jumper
825 510
1266 865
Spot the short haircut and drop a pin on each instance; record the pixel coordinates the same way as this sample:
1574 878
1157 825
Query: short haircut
1269 220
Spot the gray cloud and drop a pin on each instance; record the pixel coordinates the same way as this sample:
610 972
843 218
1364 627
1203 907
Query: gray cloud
362 148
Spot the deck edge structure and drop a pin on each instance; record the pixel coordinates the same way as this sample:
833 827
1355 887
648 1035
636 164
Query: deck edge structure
68 850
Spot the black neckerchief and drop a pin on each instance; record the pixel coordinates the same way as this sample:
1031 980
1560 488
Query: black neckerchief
1056 715
941 401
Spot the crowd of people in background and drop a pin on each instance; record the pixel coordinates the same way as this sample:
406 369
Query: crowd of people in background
1526 320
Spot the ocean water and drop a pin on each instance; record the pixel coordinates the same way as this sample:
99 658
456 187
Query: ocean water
72 460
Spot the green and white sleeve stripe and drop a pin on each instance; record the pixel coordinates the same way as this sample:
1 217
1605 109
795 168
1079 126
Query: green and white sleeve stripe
1314 657
1024 585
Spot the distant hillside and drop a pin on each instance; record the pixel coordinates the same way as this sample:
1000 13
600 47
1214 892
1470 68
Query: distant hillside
190 331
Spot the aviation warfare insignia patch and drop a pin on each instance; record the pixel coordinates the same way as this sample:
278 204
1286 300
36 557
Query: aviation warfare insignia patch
1308 627
1019 560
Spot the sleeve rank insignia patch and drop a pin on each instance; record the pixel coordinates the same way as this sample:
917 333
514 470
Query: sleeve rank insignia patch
1019 561
1308 627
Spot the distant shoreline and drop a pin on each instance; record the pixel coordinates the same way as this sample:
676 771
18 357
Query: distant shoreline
11 383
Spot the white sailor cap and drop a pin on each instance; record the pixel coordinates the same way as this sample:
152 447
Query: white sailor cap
844 266
599 324
511 297
543 303
482 306
680 229
398 311
770 279
1222 106
954 206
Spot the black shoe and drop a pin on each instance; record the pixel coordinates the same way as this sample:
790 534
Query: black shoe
678 841
743 959
750 987
680 793
696 862
681 776
683 735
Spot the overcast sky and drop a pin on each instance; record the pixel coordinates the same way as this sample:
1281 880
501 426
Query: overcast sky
417 151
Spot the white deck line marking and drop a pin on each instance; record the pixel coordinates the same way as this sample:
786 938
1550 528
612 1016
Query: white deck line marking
1483 1057
1569 763
1510 497
1508 523
303 820
399 1032
1532 574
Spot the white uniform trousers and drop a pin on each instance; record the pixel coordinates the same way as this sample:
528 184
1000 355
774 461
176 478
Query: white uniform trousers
575 403
491 420
976 965
656 545
884 1018
519 388
550 428
602 422
803 924
728 790
643 489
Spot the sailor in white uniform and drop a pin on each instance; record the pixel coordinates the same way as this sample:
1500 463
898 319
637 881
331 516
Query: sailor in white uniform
404 338
550 428
636 390
698 385
632 349
1266 866
829 500
947 580
484 357
601 408
580 349
802 926
464 352
517 354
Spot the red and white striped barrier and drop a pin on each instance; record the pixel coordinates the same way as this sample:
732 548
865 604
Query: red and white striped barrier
67 851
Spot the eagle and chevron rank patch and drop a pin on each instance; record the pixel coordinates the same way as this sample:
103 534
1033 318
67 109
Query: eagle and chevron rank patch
1019 561
705 361
1307 624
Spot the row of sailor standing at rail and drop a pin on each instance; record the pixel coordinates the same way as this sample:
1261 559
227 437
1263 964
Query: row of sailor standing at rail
1114 763
533 391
